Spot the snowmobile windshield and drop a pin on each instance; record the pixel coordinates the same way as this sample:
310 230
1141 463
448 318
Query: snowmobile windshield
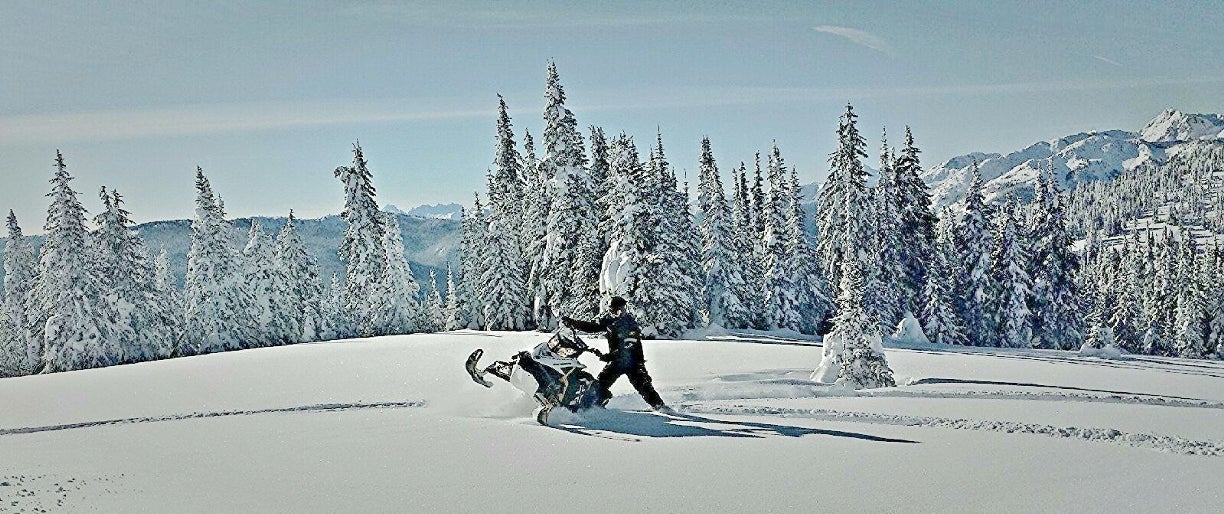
564 347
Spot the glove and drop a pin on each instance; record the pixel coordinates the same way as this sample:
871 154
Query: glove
605 357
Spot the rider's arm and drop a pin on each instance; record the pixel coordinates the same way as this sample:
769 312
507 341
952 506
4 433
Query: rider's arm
589 326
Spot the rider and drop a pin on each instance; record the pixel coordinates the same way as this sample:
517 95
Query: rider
624 355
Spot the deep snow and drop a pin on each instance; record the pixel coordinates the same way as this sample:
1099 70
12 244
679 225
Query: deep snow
394 424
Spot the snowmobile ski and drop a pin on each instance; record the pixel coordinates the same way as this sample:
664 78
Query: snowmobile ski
476 373
542 414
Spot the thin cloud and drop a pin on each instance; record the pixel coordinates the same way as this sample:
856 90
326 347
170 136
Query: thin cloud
858 37
1107 60
202 119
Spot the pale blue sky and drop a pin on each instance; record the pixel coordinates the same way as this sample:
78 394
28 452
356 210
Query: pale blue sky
268 96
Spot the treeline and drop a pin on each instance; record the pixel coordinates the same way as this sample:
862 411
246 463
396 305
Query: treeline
93 298
563 228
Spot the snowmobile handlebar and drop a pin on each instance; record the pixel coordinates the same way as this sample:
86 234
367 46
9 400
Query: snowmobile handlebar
585 347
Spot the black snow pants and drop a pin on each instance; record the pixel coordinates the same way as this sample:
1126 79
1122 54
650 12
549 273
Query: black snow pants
637 376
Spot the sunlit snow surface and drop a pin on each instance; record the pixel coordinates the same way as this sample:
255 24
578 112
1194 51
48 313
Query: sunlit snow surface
395 425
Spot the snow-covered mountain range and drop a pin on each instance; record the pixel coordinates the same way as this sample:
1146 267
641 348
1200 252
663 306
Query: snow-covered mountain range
442 211
1074 159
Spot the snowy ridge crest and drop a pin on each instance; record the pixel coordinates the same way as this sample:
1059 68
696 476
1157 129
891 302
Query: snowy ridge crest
1074 159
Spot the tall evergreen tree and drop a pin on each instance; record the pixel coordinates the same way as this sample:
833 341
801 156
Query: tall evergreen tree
453 311
19 353
917 223
67 309
432 315
668 297
169 295
1012 285
1057 316
144 324
845 185
218 305
724 278
398 307
629 224
274 320
940 318
746 240
307 319
853 348
361 248
572 238
884 277
472 253
337 322
784 297
974 289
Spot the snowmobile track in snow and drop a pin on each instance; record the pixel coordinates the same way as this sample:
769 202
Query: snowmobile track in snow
1169 444
322 407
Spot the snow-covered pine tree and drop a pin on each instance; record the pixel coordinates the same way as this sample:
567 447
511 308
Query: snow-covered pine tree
19 353
362 250
853 350
630 221
67 309
1213 269
601 180
502 285
1189 339
274 317
884 276
1124 314
1012 285
538 198
815 306
845 185
973 240
432 316
757 200
398 307
720 262
145 325
453 309
473 248
917 223
307 320
745 241
940 319
572 237
1057 316
218 305
670 294
506 185
784 295
168 294
337 323
588 253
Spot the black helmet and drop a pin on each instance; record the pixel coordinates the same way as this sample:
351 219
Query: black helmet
617 302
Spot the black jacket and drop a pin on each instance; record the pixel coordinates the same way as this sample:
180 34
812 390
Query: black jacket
624 337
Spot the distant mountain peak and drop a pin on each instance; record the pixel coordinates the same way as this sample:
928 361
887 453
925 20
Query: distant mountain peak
447 211
1076 158
1172 126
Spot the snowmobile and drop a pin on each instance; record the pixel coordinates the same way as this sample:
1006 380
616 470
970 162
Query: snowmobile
550 373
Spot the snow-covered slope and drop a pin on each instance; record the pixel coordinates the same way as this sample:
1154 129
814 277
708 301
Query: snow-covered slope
1074 159
394 424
